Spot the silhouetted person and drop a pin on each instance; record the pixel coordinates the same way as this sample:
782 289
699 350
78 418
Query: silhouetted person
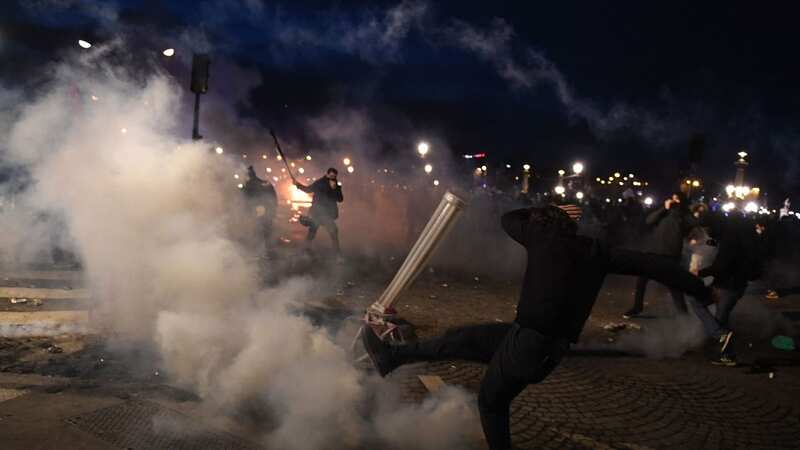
263 200
324 210
668 226
563 277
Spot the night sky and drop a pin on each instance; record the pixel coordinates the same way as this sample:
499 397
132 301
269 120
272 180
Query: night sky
623 84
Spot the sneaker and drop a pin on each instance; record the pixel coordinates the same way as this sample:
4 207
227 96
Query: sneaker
725 341
784 343
631 313
772 295
379 351
724 360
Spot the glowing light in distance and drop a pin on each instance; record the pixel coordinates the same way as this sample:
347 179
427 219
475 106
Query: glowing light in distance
236 175
308 157
269 169
577 168
346 161
526 167
508 166
264 156
561 172
579 195
648 201
95 98
84 44
428 168
559 189
696 183
751 207
730 189
219 150
301 170
616 174
483 168
435 182
742 154
728 206
350 169
123 130
240 185
168 52
423 148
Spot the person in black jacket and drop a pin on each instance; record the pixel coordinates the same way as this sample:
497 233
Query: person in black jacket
563 277
669 226
324 210
741 258
262 199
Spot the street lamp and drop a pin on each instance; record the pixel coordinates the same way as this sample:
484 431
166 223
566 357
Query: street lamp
350 169
168 52
526 167
561 172
579 195
428 168
648 201
560 190
423 148
577 168
84 44
346 161
219 150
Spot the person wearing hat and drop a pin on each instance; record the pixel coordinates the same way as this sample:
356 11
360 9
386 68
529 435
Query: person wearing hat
564 274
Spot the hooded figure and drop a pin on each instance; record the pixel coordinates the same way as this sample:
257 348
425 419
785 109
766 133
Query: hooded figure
324 210
563 276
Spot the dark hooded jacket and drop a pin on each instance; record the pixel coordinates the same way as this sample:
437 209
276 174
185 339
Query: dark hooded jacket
325 200
667 228
565 273
741 257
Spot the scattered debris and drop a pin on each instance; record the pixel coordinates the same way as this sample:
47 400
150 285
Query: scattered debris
433 297
444 285
615 327
19 300
36 302
350 284
610 340
55 349
498 320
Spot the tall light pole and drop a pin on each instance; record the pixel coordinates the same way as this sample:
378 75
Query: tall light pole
199 85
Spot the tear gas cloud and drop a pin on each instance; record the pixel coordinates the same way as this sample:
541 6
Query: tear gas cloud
156 223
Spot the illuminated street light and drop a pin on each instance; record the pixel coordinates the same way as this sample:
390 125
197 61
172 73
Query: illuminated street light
346 161
577 168
84 44
435 182
526 167
236 175
302 171
648 201
608 200
751 207
560 190
483 168
423 148
561 172
264 156
269 169
616 174
696 183
728 206
240 186
742 155
350 169
579 195
508 166
308 157
168 52
730 189
219 150
428 168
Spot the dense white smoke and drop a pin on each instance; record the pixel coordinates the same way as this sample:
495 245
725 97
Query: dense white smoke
155 220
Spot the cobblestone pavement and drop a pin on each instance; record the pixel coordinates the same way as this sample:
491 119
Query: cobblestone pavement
580 406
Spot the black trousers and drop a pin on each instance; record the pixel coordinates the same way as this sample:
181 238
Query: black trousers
641 290
516 357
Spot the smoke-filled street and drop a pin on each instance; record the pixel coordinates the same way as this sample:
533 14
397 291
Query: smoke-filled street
398 225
